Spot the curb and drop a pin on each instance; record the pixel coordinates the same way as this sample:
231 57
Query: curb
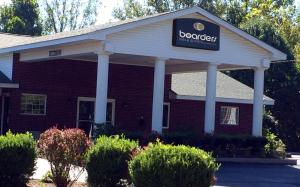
259 161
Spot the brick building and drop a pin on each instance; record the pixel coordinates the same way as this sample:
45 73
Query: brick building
158 73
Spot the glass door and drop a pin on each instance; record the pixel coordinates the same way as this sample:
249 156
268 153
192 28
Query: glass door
85 117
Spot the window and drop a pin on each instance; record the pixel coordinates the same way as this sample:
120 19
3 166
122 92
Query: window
33 104
166 115
229 115
86 111
110 111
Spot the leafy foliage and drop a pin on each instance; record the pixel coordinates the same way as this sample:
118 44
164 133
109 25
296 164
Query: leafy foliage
168 165
107 160
21 17
234 145
274 147
64 149
18 154
62 15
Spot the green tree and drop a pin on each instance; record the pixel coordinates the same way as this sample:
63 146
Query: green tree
131 9
62 15
275 22
21 17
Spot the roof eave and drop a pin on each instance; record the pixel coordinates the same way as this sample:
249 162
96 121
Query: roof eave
224 100
60 41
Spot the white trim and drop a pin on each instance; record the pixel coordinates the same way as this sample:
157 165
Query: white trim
222 99
168 121
47 43
9 85
45 103
101 33
93 99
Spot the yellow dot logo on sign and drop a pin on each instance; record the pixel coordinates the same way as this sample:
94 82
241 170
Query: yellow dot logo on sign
199 26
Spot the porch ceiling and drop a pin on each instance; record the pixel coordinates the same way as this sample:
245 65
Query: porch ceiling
172 65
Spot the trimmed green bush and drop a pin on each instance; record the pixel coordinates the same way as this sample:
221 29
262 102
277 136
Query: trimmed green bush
17 159
168 165
107 160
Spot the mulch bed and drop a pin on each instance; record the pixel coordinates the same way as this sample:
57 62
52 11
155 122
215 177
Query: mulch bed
38 183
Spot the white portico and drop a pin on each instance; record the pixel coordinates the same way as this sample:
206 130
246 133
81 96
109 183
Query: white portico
148 42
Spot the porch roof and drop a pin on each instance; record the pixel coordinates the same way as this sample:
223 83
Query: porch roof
192 86
99 32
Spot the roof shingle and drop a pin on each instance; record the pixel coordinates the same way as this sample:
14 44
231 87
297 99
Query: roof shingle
194 84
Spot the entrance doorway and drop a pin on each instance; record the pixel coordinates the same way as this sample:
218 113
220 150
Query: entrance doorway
86 113
4 114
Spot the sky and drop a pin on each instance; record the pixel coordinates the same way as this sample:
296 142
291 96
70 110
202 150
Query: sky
105 12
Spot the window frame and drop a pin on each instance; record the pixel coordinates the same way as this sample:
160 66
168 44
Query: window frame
31 114
238 116
92 99
168 119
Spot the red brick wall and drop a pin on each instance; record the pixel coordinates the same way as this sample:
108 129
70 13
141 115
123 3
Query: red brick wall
245 120
186 114
63 81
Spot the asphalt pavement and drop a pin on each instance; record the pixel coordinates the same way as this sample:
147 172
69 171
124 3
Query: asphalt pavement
258 175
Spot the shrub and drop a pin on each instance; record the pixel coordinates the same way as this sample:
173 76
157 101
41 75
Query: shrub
17 159
106 129
133 135
274 146
64 149
234 145
107 160
168 165
181 138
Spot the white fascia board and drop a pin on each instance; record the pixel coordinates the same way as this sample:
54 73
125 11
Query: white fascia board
276 54
51 43
148 20
9 85
223 100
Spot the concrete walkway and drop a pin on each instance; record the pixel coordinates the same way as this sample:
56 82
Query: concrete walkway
43 166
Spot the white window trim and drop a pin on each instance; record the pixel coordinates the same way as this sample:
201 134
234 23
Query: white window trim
168 121
238 120
45 109
113 101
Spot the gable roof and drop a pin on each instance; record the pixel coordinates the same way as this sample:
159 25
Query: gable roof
192 86
7 39
100 32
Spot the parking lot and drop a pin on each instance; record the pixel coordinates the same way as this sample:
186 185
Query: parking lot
258 175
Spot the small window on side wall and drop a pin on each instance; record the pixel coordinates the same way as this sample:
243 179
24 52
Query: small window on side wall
229 115
33 104
166 115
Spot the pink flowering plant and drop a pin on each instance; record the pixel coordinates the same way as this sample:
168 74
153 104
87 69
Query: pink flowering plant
65 150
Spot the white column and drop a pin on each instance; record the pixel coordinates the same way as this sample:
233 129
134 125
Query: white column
258 102
210 101
158 95
102 86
